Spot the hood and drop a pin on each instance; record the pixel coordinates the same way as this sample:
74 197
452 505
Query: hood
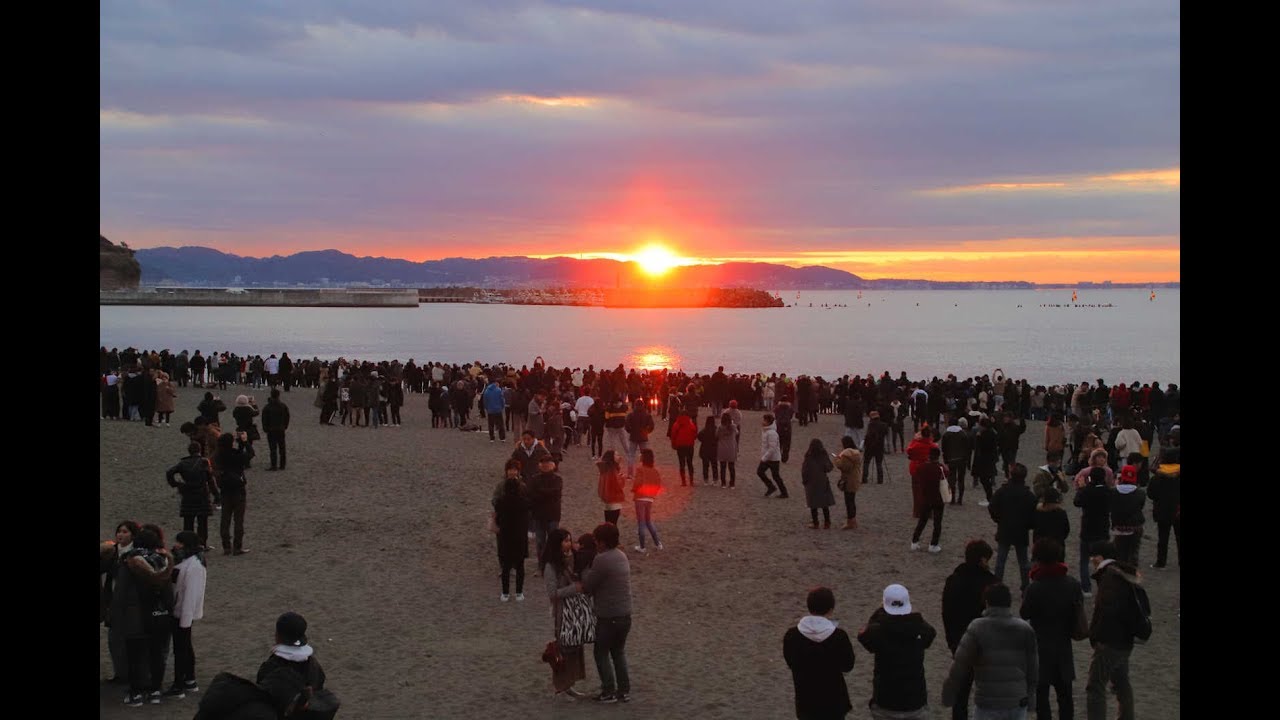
1124 570
1125 488
953 429
771 426
816 627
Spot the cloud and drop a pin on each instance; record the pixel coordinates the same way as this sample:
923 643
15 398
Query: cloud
560 123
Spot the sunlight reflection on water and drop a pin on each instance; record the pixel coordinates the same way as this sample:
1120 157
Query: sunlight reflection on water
651 357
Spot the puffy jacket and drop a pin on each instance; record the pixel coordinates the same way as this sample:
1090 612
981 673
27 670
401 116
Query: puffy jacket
770 445
683 432
918 453
956 446
1115 611
196 487
610 488
898 642
849 463
999 652
494 401
647 484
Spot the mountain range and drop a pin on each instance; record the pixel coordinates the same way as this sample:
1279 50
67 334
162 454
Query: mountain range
200 266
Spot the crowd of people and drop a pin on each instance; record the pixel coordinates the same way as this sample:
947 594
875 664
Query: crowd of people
1098 443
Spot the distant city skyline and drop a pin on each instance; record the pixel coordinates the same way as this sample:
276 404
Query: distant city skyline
974 142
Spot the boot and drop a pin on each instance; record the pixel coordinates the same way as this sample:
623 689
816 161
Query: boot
850 524
826 525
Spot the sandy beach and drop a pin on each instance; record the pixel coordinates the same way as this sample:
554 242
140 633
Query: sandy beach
378 537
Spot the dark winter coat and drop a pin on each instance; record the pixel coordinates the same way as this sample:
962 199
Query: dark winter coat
986 453
1051 522
275 416
1165 493
511 513
1050 604
197 486
817 669
898 642
817 488
230 697
962 600
998 651
1115 611
707 449
1094 502
545 490
1013 507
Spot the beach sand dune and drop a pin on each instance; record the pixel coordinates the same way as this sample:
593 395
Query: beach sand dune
378 537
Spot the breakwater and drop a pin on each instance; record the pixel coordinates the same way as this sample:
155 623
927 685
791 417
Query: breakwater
262 297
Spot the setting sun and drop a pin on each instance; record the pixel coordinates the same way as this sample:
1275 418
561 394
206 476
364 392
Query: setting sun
655 259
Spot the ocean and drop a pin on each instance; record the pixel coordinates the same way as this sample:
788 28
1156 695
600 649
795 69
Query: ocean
1040 335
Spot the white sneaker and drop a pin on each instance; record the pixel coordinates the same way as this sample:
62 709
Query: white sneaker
935 548
640 550
915 546
519 597
660 546
505 597
983 503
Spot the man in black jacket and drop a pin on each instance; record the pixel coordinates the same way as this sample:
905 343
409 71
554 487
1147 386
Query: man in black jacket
546 489
1013 507
275 420
1117 616
898 637
819 653
962 604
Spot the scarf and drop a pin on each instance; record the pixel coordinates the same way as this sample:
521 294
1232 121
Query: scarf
1047 570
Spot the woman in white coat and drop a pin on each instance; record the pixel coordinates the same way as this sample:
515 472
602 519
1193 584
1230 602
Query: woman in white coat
189 583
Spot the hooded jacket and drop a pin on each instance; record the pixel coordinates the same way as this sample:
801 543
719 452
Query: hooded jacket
956 446
770 444
1127 502
1049 603
819 653
1115 617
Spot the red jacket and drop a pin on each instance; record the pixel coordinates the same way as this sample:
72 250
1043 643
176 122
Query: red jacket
647 483
683 433
610 488
918 453
926 488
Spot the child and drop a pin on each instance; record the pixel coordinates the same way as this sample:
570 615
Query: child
647 486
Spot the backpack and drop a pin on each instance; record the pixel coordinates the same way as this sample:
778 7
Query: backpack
1142 611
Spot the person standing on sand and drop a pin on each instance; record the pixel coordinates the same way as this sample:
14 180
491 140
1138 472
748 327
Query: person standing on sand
1117 618
849 463
873 445
557 563
229 463
783 416
898 637
819 654
926 496
962 604
1013 508
275 421
956 447
817 488
608 582
998 651
190 577
1094 501
611 489
195 491
985 456
726 445
645 488
770 456
684 434
165 397
511 516
1054 606
546 489
708 450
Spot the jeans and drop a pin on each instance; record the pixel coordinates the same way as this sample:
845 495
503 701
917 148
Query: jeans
960 710
1019 713
784 440
276 447
495 421
1084 563
772 466
1002 554
541 528
615 439
936 513
644 519
595 439
1008 456
611 653
709 469
633 449
518 566
955 480
147 657
1109 665
727 470
184 656
233 507
850 505
866 466
684 458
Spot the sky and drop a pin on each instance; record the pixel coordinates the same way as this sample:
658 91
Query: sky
946 140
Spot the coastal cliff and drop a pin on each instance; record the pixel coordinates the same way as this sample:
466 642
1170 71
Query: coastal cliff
118 269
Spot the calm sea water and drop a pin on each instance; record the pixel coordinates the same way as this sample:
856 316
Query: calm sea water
926 333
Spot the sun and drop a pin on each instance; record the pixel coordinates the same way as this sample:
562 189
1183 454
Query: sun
655 260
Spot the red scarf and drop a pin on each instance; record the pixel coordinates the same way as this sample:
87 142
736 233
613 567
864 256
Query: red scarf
1047 570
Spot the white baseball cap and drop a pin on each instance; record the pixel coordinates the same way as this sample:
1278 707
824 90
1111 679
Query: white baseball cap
896 600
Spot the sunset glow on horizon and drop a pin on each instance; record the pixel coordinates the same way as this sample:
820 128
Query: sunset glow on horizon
985 143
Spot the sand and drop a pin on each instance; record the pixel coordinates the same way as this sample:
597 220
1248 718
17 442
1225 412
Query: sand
378 538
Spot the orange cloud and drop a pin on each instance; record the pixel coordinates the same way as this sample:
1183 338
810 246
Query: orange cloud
1160 180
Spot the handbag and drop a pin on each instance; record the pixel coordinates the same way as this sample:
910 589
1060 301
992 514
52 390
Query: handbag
1145 449
577 621
944 489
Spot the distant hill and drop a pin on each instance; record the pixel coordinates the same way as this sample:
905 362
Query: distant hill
204 266
118 269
